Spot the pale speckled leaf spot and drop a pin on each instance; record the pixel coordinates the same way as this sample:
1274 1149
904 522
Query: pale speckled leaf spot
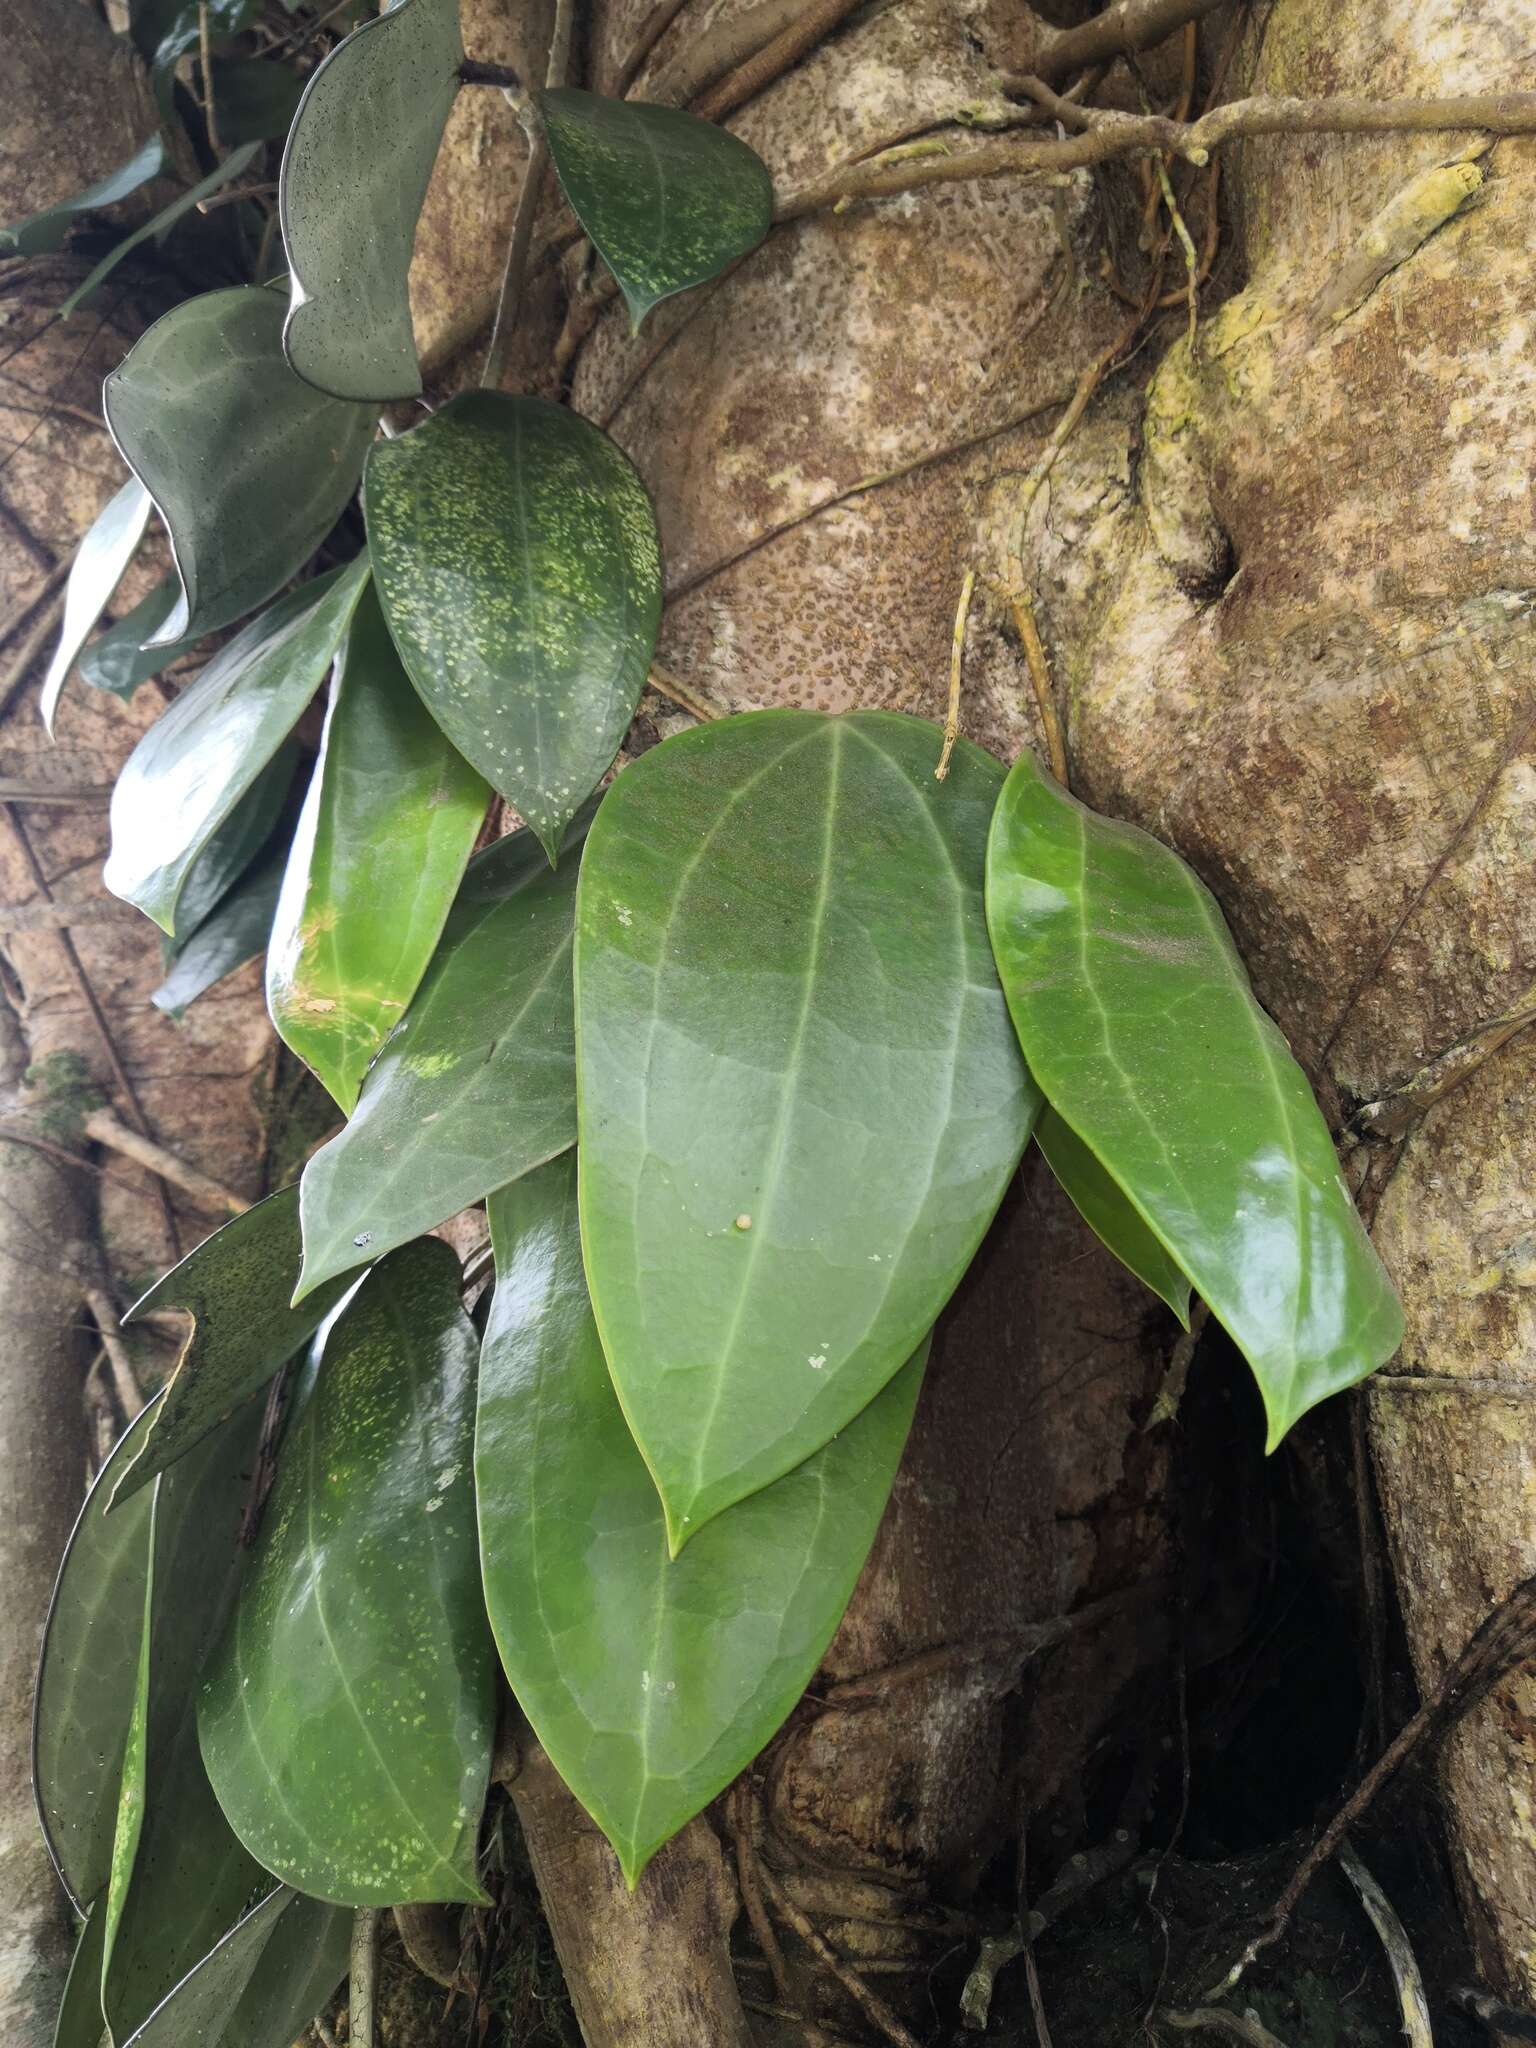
516 558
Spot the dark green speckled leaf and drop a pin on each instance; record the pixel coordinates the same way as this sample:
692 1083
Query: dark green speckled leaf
248 466
477 1085
668 200
261 1984
87 1673
190 1879
235 1287
516 558
348 1713
354 175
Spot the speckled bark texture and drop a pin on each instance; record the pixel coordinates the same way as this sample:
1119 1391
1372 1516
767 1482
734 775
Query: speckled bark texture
1289 596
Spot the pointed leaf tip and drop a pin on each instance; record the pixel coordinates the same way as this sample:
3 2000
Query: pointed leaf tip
668 200
1137 1017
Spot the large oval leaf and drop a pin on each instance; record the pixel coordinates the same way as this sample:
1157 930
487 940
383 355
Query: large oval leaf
1107 1212
183 1878
235 1287
354 175
248 466
650 1683
517 563
261 1984
193 766
87 1674
801 1099
479 1082
387 826
1137 1018
668 200
100 561
41 232
348 1714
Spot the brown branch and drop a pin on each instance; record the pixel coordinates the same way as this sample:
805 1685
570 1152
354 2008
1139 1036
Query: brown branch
1154 135
1128 26
723 47
870 2003
125 1380
92 1002
109 1130
1210 2019
652 29
60 917
35 638
774 59
956 666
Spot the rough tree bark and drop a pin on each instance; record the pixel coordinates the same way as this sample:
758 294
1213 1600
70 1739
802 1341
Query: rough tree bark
1282 581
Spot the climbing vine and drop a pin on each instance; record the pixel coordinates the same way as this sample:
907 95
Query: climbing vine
740 1050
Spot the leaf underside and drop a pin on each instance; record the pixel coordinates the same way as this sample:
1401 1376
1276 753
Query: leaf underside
198 760
349 205
121 658
347 1717
386 829
86 1675
517 563
800 1095
1098 1200
237 931
668 200
99 565
478 1083
248 466
1137 1018
650 1683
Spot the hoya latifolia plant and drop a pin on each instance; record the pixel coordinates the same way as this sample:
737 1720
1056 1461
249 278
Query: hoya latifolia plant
740 1052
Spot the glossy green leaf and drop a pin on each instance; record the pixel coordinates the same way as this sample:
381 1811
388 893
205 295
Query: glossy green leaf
87 1674
227 855
517 563
47 230
1137 1018
261 1984
348 1715
256 100
195 763
235 1287
80 2024
800 1096
1098 1200
190 1879
99 565
668 200
476 1086
650 1683
248 466
354 175
387 827
160 225
229 936
120 658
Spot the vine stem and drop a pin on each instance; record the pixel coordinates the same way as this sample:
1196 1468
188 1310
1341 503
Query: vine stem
362 1983
528 199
